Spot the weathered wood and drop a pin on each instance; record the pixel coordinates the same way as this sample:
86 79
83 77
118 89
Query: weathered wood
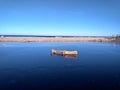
70 52
64 52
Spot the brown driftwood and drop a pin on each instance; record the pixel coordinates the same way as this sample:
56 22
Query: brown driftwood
64 52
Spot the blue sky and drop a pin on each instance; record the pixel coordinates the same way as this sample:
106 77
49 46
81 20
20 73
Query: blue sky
60 17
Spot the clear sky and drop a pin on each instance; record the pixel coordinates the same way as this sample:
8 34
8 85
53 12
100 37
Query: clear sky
60 17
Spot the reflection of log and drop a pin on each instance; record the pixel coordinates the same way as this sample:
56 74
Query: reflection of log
64 52
70 56
65 56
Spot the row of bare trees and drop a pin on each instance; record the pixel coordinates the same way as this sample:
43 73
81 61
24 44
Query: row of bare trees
117 36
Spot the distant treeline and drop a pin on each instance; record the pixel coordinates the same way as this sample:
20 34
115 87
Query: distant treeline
46 36
116 36
25 36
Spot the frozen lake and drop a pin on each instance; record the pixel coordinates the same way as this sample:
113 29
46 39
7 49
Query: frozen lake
30 66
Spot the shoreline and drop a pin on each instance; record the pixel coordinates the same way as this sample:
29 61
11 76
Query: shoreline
57 39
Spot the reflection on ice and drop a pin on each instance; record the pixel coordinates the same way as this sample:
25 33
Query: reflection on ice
65 56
